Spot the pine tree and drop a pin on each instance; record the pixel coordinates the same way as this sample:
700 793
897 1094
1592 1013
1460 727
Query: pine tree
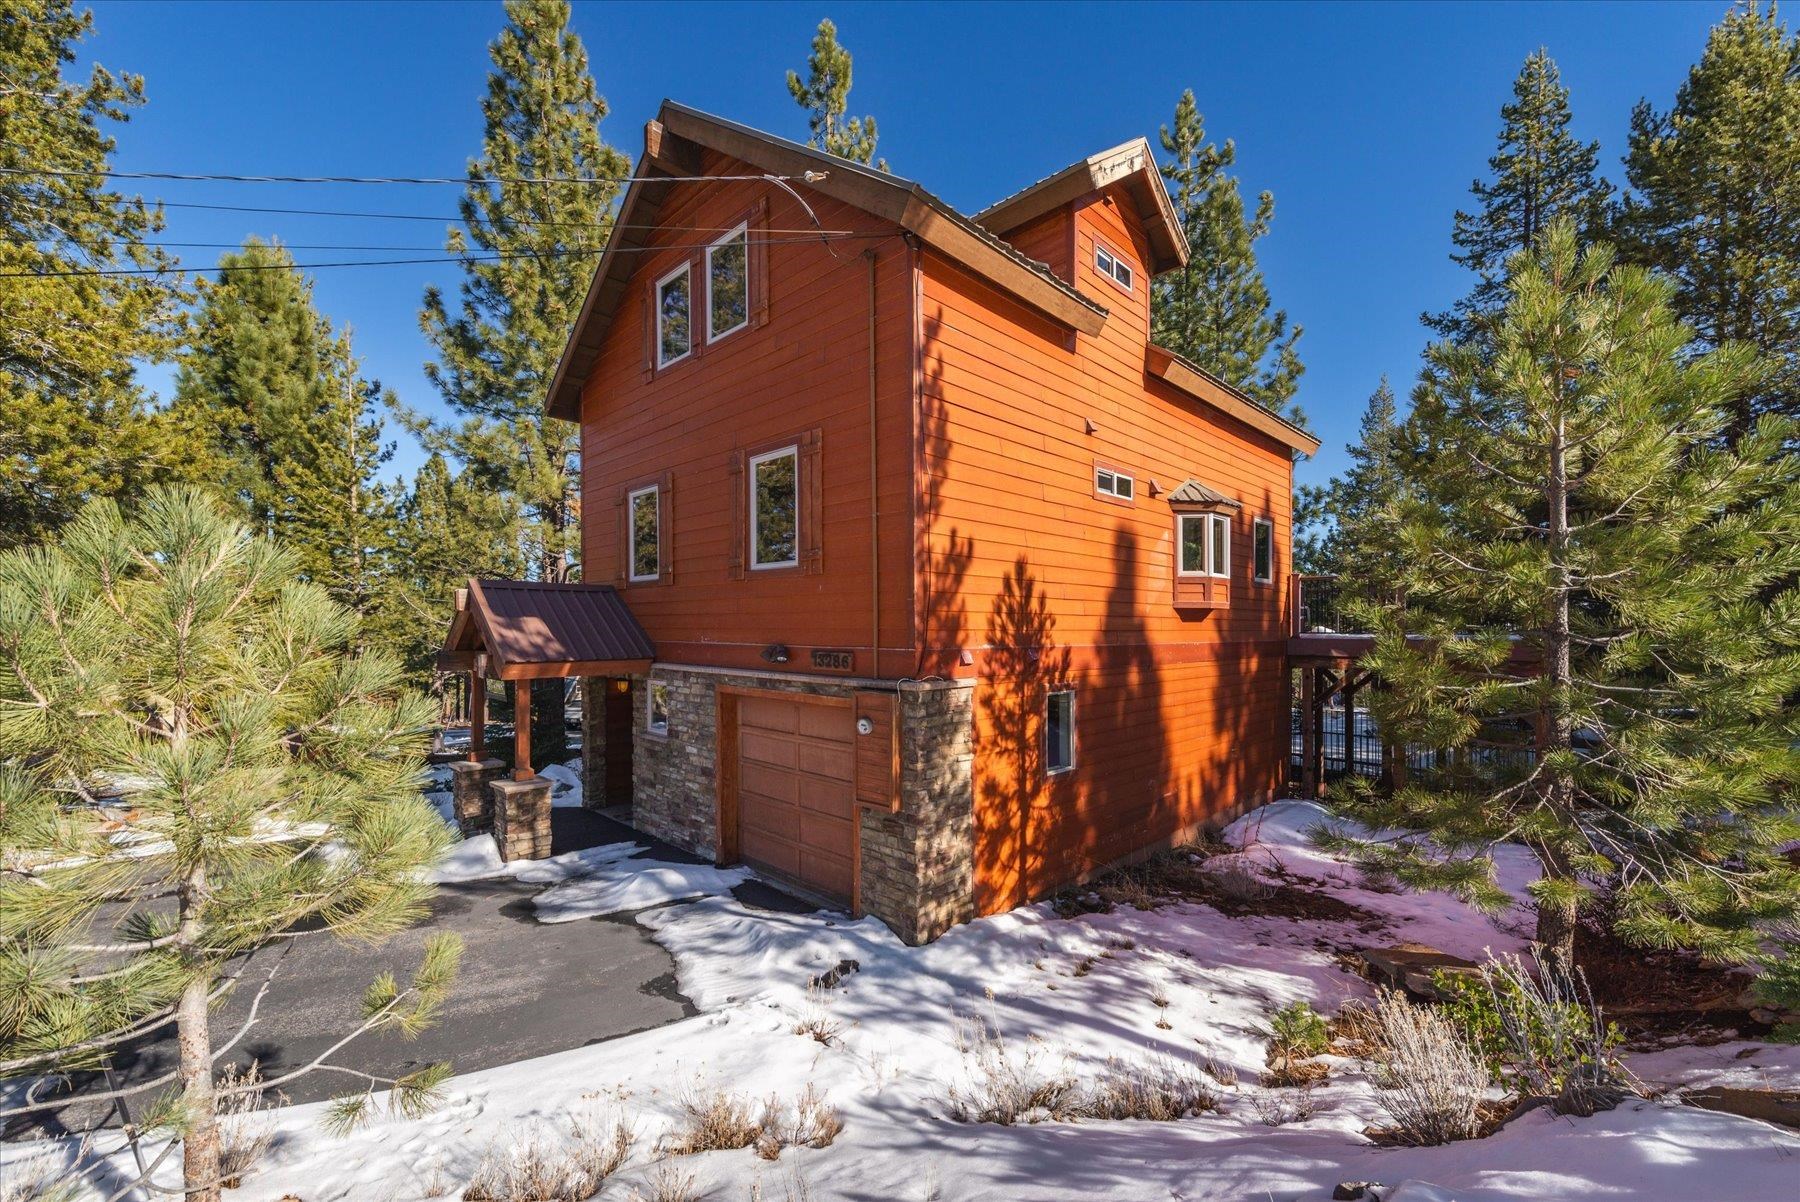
73 422
333 511
497 351
1340 526
1216 310
825 95
255 374
1717 199
192 767
1606 628
1540 172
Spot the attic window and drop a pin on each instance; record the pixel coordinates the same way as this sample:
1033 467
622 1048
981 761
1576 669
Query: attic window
674 326
1109 483
1112 267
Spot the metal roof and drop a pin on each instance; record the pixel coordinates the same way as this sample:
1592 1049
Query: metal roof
526 629
1192 492
1132 166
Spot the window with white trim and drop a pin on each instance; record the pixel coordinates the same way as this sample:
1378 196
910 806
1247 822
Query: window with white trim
674 317
1203 542
775 509
656 707
728 284
1112 484
1059 731
1112 267
643 508
1262 551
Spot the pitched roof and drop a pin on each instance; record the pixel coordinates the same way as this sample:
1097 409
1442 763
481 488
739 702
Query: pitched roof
1129 164
1190 378
1192 492
529 629
671 144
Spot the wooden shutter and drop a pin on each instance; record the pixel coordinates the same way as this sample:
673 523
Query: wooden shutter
756 233
622 570
665 528
740 536
812 511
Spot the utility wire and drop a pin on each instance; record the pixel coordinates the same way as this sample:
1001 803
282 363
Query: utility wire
807 177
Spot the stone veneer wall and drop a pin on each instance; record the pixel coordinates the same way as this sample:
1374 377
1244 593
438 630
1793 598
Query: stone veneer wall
917 865
593 742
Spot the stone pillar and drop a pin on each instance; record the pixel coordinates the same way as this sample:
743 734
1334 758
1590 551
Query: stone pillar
469 780
593 741
522 818
918 865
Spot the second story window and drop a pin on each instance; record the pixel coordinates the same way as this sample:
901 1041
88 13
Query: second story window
728 284
775 509
1205 540
674 308
1112 267
1109 483
1262 551
645 512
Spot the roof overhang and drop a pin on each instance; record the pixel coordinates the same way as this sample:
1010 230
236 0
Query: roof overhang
672 148
1132 167
526 630
1194 381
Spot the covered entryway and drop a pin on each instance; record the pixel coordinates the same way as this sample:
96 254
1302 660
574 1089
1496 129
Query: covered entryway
794 773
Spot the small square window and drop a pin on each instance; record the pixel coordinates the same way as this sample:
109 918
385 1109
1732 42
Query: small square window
775 509
1262 550
644 508
1112 267
656 707
1113 484
1059 731
728 284
674 305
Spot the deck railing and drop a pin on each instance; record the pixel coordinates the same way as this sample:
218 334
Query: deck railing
1317 605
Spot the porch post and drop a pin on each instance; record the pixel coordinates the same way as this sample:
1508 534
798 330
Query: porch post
1350 725
522 769
477 716
1309 784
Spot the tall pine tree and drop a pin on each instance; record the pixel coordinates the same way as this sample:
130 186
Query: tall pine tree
825 95
1716 200
1341 527
73 422
1599 626
1539 173
498 347
1216 310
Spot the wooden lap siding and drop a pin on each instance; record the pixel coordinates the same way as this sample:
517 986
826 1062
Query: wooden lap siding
804 369
1178 716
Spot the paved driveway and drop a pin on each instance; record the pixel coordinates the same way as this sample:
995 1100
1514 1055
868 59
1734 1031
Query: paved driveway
526 989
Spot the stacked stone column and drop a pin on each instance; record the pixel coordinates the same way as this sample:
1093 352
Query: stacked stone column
469 781
522 818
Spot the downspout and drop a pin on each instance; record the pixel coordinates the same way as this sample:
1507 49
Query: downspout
874 494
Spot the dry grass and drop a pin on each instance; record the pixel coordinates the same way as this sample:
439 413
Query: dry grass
667 1183
816 1021
43 1178
542 1165
1431 1080
1009 1085
811 1124
1160 1091
245 1129
1289 1106
714 1120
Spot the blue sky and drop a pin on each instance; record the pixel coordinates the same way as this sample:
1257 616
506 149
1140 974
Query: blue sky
1367 122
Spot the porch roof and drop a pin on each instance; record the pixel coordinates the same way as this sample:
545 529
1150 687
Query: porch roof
526 630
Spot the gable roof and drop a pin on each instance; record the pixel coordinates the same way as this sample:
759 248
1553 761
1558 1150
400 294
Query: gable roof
671 149
529 629
1192 492
1129 164
1195 381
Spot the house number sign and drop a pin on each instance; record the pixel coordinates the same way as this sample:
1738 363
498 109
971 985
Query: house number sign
832 660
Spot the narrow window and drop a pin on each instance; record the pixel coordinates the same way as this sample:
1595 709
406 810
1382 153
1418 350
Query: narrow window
656 707
1262 550
1219 559
1059 731
775 509
728 284
1192 528
674 303
1112 484
645 506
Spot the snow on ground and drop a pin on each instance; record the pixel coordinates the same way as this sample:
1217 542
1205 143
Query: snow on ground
1067 993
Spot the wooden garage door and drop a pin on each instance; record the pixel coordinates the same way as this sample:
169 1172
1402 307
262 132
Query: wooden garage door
795 791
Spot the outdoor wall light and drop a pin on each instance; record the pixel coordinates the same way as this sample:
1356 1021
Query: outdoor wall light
864 726
776 653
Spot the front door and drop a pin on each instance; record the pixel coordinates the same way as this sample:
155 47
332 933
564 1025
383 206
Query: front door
619 716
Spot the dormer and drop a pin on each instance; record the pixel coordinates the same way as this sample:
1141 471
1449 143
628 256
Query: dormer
1104 224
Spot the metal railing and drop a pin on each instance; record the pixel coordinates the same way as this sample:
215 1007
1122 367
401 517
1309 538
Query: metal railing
1317 605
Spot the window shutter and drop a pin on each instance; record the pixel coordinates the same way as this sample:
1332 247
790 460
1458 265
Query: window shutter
756 229
665 528
648 304
812 512
740 536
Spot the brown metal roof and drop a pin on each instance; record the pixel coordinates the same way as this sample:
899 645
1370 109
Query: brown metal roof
526 629
1130 164
1192 492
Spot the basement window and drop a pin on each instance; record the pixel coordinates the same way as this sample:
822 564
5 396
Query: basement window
1262 551
1059 731
1205 542
1109 483
674 306
656 707
645 509
728 284
775 509
1112 267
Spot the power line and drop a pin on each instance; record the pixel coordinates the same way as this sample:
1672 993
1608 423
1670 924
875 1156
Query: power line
808 177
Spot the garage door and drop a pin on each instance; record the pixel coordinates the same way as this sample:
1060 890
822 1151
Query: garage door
795 791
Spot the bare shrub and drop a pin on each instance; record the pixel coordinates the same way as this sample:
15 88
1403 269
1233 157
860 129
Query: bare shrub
816 1021
246 1129
1355 1024
809 1124
1008 1085
1231 879
542 1165
1288 1106
667 1183
1161 1090
42 1178
712 1120
1224 1074
1431 1080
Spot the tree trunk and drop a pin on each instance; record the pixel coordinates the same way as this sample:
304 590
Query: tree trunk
200 1143
1556 918
1556 936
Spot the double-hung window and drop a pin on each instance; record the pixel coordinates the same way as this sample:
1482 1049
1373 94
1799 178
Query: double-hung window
1262 551
656 707
644 511
1205 543
1059 731
775 509
728 284
674 316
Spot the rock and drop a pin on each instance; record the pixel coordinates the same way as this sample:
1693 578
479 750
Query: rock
830 978
1410 967
1350 1191
1779 1106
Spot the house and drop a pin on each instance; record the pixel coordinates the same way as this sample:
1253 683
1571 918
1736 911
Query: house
955 587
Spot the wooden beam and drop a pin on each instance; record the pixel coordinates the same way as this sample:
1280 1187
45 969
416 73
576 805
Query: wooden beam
477 717
522 769
673 154
1170 368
